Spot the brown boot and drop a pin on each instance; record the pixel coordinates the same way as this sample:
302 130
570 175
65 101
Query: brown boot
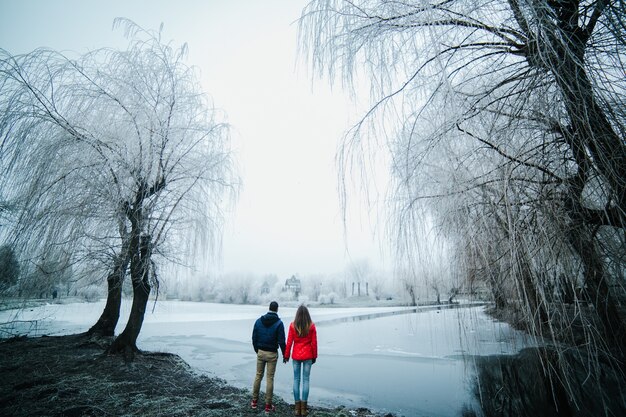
297 409
304 411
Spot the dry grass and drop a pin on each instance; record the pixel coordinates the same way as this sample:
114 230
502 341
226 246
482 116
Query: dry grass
70 376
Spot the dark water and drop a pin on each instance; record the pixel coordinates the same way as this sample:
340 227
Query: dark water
547 382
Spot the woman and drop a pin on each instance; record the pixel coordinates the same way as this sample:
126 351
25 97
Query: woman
303 337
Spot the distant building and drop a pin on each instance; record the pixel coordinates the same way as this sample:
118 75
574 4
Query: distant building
293 285
265 288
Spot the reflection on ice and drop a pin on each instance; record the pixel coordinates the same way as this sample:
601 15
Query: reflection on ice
408 361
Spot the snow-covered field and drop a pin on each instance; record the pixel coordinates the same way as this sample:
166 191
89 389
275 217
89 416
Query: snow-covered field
416 364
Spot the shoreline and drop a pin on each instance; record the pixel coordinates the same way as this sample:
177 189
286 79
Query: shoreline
352 406
71 376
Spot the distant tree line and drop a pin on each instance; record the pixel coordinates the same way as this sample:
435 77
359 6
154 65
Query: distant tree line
250 288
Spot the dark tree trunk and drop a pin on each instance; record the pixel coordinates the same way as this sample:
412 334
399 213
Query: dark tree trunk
126 342
496 290
613 329
580 234
105 326
591 130
595 144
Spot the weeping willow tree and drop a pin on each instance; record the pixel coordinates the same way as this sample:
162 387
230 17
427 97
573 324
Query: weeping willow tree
505 121
116 158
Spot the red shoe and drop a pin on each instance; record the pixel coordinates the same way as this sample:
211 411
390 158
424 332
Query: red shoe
269 408
253 404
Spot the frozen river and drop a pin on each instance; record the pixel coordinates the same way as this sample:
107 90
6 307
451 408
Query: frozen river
409 363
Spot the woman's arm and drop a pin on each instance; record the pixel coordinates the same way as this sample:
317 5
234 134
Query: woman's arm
313 332
290 337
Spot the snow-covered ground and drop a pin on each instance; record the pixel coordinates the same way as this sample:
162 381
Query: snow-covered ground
413 364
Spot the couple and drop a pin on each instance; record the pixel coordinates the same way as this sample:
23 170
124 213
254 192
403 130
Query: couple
267 336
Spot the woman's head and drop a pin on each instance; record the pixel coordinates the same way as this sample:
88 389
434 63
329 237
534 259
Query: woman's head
302 322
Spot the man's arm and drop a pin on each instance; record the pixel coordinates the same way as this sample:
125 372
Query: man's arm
254 338
281 337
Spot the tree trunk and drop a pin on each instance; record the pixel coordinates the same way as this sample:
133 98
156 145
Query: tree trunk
613 329
105 326
126 342
590 128
497 291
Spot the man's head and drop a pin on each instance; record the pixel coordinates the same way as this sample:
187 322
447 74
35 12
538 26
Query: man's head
274 306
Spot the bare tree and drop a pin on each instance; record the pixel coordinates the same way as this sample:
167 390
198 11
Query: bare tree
153 161
535 84
506 123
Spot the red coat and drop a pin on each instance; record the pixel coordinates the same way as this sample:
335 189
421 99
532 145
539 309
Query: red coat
304 348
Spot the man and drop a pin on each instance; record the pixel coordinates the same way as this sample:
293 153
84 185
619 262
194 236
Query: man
268 334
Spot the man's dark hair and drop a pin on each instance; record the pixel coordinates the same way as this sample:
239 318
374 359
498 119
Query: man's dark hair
274 306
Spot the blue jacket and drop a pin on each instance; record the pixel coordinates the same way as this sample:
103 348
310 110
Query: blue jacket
269 333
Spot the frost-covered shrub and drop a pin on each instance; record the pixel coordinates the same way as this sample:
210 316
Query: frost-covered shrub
238 288
329 298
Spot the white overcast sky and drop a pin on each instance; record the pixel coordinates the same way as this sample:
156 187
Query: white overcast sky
286 127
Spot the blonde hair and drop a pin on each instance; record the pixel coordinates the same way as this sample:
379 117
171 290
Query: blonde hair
302 322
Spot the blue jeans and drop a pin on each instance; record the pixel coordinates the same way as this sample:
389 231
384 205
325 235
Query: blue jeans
301 368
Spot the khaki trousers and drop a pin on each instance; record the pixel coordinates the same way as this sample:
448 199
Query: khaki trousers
270 359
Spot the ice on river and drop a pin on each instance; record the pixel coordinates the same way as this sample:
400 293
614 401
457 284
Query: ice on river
413 364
